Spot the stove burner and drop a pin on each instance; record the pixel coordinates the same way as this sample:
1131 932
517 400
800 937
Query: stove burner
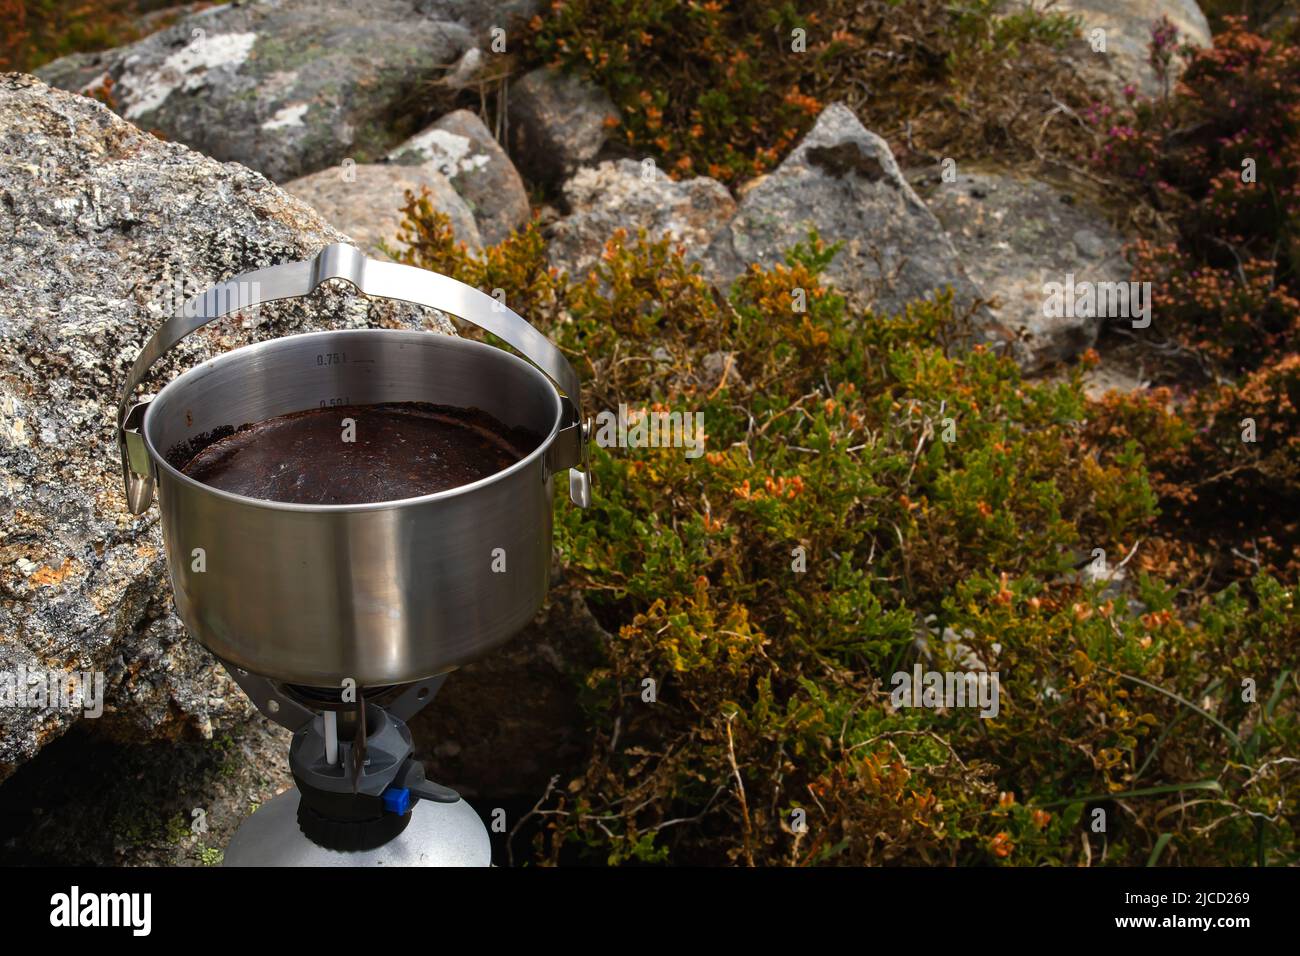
353 799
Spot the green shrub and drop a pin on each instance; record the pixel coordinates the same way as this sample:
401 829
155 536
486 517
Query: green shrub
827 439
38 31
1224 463
723 88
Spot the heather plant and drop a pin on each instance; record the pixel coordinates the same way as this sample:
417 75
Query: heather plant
1215 160
1259 14
873 498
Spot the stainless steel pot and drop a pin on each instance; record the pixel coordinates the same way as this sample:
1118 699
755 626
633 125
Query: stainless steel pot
381 593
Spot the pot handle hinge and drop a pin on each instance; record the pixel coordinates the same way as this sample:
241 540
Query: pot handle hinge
571 450
137 470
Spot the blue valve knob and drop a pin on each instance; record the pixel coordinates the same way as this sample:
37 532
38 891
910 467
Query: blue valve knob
397 800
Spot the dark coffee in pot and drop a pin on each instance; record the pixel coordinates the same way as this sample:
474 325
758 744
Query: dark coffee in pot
357 454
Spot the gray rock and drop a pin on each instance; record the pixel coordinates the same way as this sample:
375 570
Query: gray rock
99 801
557 123
106 229
1127 24
719 368
616 195
365 201
1015 234
842 181
288 87
461 148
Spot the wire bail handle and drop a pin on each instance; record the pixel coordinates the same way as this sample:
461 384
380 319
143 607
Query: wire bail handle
374 279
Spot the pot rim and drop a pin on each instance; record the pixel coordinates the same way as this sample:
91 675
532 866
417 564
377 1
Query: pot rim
454 341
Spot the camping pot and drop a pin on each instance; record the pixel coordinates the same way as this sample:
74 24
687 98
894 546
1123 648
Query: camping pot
383 593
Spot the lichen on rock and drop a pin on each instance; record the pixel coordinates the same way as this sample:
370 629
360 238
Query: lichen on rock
631 196
460 147
108 229
842 181
1016 234
291 87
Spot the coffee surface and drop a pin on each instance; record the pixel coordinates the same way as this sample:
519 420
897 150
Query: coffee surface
399 450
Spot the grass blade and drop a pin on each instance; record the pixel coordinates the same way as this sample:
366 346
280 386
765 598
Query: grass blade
1212 785
1159 848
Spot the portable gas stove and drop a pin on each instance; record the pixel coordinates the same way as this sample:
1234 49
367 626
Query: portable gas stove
340 622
